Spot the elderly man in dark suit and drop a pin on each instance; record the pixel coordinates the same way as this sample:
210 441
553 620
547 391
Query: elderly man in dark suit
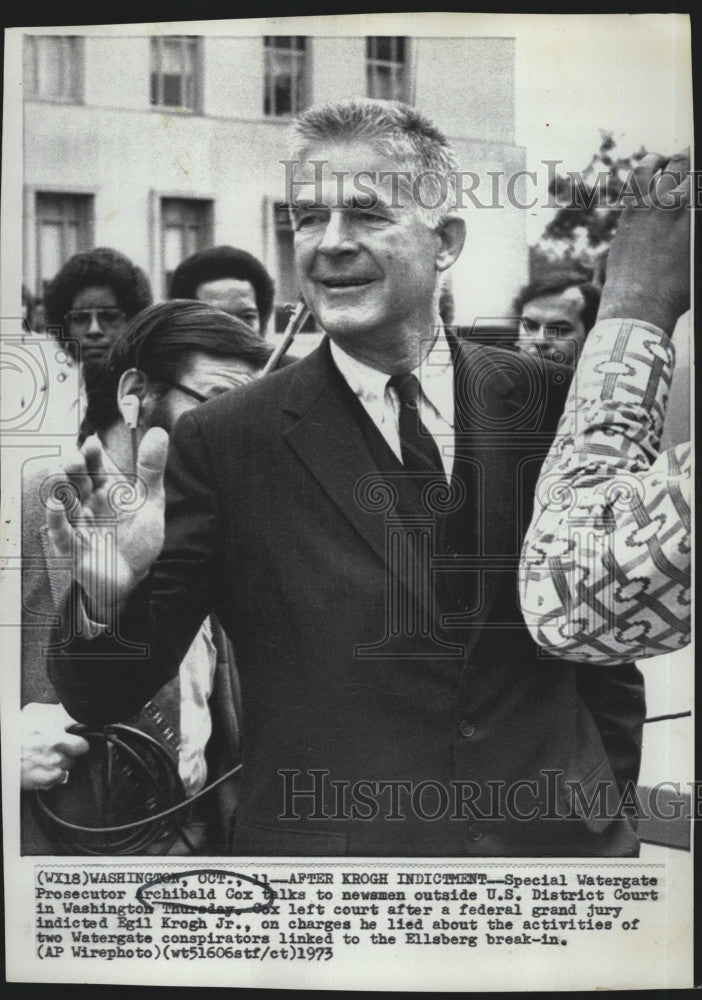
358 532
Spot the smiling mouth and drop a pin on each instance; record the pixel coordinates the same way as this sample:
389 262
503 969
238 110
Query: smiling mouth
345 282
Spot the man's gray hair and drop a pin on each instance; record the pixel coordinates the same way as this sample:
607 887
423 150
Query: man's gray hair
396 130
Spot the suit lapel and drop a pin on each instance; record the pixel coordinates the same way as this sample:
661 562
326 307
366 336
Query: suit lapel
328 441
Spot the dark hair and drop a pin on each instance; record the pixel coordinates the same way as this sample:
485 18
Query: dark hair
98 267
158 341
224 262
560 282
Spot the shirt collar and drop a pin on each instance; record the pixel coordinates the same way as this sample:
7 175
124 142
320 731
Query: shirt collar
365 382
435 375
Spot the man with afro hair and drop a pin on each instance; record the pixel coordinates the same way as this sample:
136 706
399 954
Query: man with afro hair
229 279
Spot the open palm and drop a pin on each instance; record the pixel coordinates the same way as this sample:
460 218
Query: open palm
109 525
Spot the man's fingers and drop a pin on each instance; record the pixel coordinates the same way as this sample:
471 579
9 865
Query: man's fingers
686 191
668 181
58 775
75 473
72 746
83 473
680 161
648 166
60 531
658 179
40 779
152 459
67 535
94 460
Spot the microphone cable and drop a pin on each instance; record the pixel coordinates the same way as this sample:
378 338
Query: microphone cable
126 753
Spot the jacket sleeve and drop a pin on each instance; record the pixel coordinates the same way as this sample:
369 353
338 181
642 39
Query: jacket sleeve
615 696
109 677
605 570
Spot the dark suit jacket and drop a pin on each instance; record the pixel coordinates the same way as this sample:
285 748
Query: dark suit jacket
46 582
269 525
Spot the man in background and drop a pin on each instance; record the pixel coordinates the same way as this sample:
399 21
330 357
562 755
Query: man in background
555 316
229 279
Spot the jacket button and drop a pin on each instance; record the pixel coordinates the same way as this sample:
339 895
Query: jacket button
465 729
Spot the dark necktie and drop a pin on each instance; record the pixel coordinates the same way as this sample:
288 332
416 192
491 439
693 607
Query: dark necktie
419 451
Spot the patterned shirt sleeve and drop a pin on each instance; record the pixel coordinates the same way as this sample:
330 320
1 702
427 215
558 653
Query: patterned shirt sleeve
605 570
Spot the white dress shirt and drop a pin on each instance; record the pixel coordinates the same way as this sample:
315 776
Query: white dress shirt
435 376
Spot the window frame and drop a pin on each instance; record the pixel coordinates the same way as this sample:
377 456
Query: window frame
31 51
85 201
301 57
158 198
397 67
156 45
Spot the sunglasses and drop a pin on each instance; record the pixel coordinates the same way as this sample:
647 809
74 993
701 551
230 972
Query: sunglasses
82 319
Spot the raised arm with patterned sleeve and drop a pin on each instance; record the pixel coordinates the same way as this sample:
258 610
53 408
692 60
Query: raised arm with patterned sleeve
605 569
605 572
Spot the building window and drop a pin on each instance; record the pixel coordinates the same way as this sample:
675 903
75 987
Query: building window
386 68
186 227
285 79
64 226
175 72
53 68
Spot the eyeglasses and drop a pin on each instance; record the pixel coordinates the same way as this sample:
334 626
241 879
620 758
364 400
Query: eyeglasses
82 319
242 378
188 392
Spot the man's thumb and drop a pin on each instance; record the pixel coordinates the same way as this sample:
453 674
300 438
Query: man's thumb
152 457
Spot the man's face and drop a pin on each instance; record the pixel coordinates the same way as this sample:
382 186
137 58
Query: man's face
95 320
232 296
367 273
552 326
202 377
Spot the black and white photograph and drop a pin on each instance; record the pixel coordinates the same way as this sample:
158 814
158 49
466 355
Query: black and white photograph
347 502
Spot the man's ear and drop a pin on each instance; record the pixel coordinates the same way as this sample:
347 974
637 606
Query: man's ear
130 393
452 236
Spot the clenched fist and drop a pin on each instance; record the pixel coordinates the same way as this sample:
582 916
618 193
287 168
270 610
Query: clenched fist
48 751
648 269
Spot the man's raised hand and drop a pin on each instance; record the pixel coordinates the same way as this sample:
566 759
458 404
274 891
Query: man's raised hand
109 524
648 268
